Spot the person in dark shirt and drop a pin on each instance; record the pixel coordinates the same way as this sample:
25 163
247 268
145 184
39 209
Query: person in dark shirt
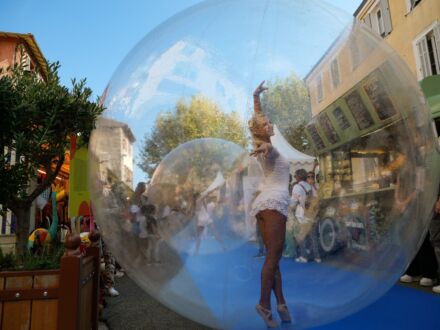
153 238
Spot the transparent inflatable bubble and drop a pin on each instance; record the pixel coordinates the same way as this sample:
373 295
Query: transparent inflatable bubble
197 189
177 117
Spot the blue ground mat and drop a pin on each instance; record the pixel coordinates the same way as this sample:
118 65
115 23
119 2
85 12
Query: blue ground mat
400 308
228 287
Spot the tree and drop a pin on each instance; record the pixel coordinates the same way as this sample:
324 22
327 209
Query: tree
196 119
37 118
287 105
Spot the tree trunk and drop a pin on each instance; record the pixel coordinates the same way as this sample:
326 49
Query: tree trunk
23 214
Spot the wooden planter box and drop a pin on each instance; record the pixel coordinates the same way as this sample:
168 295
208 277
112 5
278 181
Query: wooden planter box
65 298
29 299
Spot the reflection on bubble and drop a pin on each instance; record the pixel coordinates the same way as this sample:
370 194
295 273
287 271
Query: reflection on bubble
177 113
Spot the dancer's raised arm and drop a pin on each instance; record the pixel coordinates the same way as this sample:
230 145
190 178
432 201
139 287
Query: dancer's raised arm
257 103
260 126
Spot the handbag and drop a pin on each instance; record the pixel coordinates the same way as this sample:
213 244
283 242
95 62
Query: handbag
300 228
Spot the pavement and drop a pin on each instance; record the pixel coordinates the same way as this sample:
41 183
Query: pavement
135 309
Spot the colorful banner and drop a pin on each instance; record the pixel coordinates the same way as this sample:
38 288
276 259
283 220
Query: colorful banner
79 193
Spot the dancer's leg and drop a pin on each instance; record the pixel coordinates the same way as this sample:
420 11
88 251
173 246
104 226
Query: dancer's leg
273 228
278 287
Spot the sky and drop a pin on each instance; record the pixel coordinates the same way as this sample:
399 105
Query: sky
90 38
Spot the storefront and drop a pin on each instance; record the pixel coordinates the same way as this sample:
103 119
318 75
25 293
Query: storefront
367 166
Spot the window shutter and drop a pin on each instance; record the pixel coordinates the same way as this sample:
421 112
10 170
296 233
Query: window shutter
319 89
422 49
26 62
386 16
334 69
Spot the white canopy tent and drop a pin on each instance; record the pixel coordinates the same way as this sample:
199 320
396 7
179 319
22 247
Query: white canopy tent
296 158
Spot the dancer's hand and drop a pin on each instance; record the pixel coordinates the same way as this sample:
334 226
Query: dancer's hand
260 89
263 149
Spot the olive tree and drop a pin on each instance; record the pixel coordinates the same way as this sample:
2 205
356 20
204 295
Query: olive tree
37 118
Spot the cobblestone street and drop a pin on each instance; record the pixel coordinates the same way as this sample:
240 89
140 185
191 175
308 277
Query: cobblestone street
135 309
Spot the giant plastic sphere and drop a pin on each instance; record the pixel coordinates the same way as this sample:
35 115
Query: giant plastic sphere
195 173
178 106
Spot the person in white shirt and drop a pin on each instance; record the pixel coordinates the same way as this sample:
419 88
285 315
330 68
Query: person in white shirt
300 192
205 208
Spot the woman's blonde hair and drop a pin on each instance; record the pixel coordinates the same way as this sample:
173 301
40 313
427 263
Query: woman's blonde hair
256 127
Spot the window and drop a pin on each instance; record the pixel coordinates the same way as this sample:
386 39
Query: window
380 99
334 69
433 53
410 4
380 24
328 129
317 140
359 110
379 18
427 49
319 89
340 117
414 3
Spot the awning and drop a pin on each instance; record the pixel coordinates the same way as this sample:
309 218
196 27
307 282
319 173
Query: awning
295 157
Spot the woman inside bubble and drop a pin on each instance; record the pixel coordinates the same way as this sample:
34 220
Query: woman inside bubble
205 209
270 208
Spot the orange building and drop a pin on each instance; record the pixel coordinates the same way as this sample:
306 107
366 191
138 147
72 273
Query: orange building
17 48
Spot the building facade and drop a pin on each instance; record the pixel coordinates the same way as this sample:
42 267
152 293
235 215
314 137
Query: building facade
117 161
362 97
411 27
17 49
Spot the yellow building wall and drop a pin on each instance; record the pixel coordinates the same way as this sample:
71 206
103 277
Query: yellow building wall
348 76
408 25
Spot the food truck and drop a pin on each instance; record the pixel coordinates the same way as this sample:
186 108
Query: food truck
371 157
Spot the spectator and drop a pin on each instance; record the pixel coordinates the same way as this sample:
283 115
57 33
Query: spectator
307 235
